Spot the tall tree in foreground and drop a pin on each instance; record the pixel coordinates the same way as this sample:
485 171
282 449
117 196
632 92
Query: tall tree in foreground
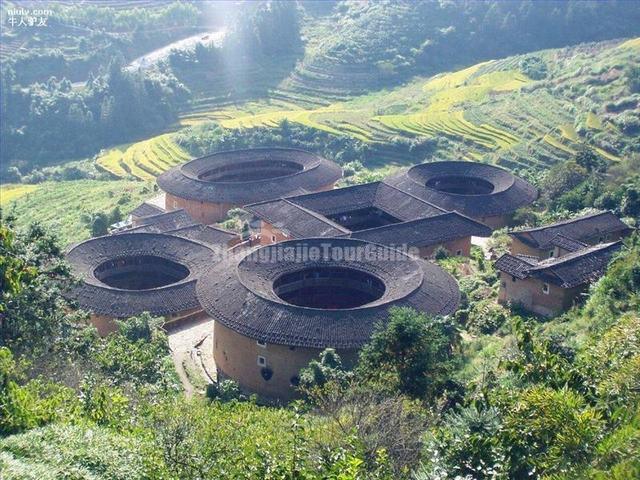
412 353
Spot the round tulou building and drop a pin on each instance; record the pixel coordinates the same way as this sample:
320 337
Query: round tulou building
483 192
278 307
208 187
126 274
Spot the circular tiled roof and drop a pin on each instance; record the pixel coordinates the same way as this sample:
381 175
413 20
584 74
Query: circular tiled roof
240 294
490 190
248 176
93 294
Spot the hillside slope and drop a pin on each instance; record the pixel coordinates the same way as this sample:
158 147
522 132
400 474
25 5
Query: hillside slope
528 110
363 45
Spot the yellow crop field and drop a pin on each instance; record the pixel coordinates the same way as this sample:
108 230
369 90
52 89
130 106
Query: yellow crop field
569 132
451 80
143 160
444 97
10 192
555 142
445 112
593 121
633 43
607 155
272 119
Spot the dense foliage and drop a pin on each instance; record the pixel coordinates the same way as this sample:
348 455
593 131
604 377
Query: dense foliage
389 39
550 405
490 393
52 121
79 39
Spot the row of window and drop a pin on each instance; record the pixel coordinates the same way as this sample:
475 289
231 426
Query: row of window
267 372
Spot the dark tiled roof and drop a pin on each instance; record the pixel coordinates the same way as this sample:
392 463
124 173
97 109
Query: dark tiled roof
425 231
566 243
146 209
305 215
339 199
95 296
516 265
294 220
376 194
240 294
568 271
205 234
185 181
164 222
509 192
581 228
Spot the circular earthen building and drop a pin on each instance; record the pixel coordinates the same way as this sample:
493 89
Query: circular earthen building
208 187
279 306
483 192
126 274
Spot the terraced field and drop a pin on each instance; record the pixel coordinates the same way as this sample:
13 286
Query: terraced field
61 205
448 95
10 192
443 115
143 160
487 112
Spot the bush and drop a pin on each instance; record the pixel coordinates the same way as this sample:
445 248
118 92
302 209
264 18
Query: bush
548 431
412 353
486 316
466 445
441 253
224 390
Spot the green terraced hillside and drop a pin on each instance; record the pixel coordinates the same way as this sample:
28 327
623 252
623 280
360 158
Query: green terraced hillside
492 111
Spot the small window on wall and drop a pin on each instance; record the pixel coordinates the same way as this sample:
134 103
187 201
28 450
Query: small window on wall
273 238
545 288
513 279
551 253
261 344
459 253
261 361
503 284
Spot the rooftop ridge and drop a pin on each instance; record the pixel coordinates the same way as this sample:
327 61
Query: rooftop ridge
562 222
414 197
568 258
318 216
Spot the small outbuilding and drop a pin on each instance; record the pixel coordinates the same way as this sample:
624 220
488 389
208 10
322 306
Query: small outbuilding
550 286
208 187
279 306
130 273
560 238
486 193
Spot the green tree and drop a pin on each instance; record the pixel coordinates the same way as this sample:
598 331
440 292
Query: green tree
34 280
548 431
328 368
563 177
411 353
633 78
25 405
100 224
466 445
590 161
